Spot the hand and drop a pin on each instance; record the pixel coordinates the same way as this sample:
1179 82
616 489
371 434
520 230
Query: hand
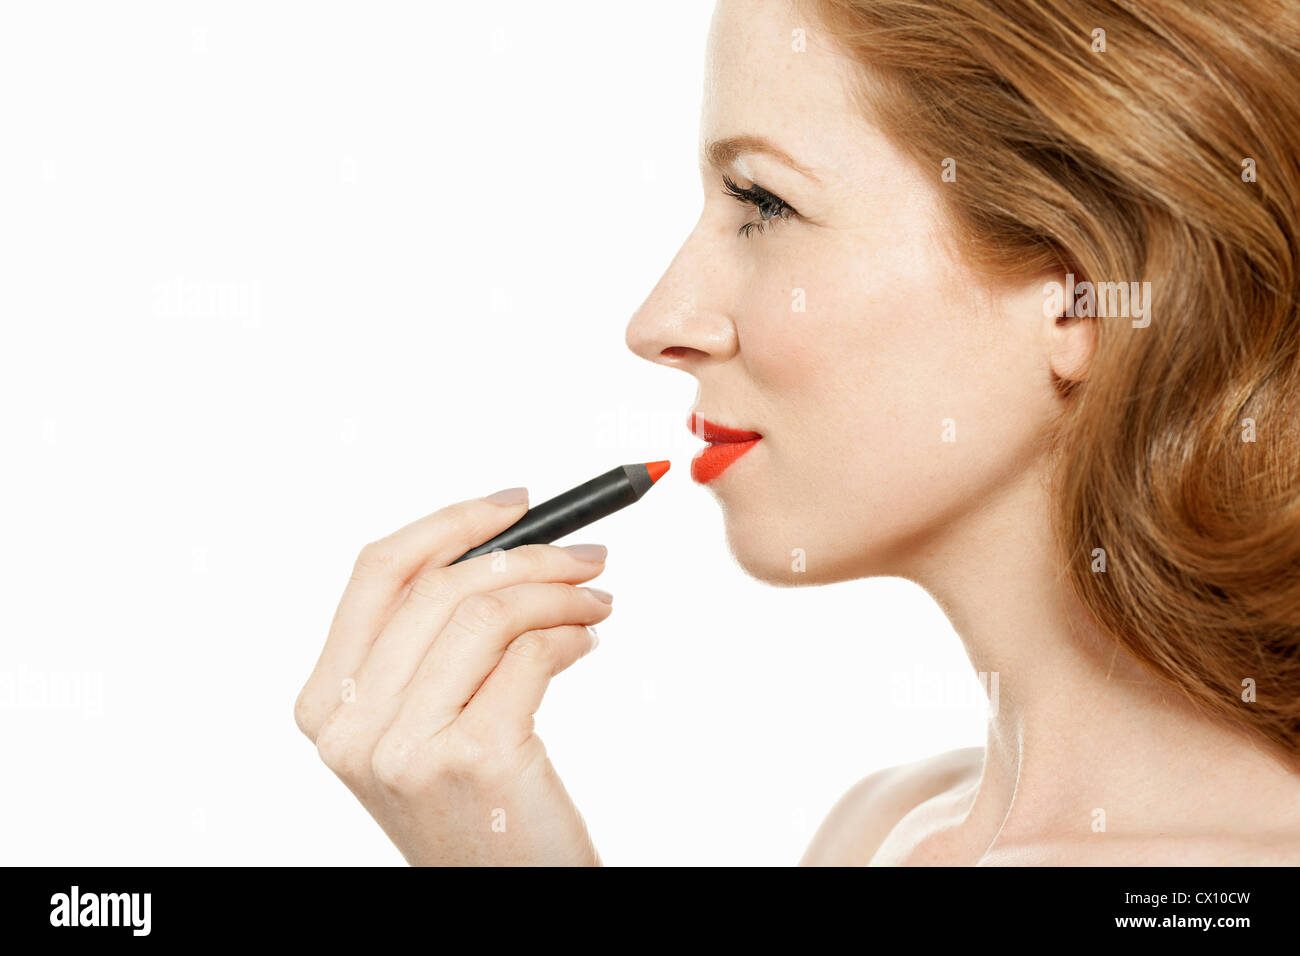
423 698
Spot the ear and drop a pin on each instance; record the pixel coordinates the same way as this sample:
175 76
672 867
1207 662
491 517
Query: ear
1070 340
1071 344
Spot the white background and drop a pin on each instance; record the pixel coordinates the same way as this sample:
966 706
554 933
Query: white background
276 279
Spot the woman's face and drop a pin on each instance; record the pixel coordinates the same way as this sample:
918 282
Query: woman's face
896 391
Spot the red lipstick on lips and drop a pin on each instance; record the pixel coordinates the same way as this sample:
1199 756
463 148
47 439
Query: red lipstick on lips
725 446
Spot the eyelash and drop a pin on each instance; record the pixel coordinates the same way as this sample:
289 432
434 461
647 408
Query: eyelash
769 205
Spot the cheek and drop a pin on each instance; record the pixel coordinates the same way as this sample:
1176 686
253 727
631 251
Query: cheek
856 336
893 398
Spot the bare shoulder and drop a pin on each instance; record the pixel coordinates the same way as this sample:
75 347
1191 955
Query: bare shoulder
863 817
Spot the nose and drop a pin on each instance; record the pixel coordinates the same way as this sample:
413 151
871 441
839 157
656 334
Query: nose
684 322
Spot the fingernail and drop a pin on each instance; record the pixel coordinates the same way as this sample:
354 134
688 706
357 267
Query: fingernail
587 552
602 595
595 638
509 496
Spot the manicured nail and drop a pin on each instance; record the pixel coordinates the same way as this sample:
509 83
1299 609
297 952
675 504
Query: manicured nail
587 552
509 496
602 595
595 638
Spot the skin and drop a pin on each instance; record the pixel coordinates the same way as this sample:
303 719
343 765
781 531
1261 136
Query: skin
851 396
449 665
900 335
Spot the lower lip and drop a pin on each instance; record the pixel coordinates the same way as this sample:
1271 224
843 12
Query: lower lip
717 458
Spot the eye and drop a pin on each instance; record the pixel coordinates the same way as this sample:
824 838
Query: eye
769 205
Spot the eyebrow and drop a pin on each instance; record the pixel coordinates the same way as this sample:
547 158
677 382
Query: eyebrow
721 153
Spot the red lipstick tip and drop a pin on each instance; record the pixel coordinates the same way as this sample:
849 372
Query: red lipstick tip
657 469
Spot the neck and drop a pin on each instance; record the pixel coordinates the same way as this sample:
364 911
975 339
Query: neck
1080 735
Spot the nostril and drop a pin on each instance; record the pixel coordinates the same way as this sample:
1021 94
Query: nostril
676 353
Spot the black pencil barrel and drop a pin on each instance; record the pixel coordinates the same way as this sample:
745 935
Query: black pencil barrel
574 509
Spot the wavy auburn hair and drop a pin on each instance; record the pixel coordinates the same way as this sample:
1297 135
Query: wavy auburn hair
1179 452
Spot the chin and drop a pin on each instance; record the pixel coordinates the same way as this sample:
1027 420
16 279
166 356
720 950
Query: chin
755 549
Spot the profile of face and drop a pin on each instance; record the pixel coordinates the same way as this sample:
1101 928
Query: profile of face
821 303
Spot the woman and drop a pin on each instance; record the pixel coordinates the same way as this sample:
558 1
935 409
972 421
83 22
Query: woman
998 298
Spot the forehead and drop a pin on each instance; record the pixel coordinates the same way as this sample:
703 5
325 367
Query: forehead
772 71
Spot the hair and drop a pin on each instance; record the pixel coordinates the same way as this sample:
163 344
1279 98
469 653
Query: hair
1128 156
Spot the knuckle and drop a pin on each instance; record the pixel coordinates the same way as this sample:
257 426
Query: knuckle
395 765
533 646
534 558
575 600
462 755
376 558
304 713
483 611
456 522
341 751
433 585
576 592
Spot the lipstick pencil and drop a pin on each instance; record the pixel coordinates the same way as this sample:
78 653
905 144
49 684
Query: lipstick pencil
576 508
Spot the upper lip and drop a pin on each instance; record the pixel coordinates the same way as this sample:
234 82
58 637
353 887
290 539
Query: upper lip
714 433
